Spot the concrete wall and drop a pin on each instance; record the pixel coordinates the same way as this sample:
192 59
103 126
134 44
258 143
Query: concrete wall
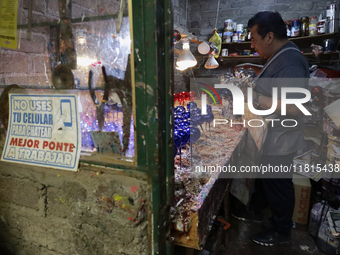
50 212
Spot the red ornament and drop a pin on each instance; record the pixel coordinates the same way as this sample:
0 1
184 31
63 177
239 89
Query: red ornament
317 101
317 91
176 97
192 95
182 97
187 96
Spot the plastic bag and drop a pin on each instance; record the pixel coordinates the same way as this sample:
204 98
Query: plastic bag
216 40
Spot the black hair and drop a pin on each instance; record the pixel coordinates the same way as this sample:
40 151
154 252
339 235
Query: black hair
269 22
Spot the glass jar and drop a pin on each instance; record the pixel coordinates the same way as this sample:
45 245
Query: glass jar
288 24
245 33
295 31
312 25
304 26
321 27
227 35
228 24
235 37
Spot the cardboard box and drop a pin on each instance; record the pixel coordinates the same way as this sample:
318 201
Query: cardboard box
302 189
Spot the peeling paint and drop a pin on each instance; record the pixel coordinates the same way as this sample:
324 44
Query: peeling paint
137 54
149 89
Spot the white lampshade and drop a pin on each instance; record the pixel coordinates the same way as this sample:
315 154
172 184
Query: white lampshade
186 59
211 62
203 48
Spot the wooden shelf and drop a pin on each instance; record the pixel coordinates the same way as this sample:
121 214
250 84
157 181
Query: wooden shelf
240 56
322 37
232 43
324 53
258 57
293 39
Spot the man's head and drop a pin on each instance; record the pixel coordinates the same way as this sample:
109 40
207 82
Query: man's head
268 32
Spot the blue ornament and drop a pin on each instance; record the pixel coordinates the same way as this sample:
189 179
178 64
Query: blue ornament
198 119
177 119
192 122
183 136
185 123
177 138
179 109
178 115
209 117
186 114
191 105
209 109
194 110
195 134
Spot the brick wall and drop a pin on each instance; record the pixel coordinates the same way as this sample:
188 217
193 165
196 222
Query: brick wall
29 64
180 13
180 21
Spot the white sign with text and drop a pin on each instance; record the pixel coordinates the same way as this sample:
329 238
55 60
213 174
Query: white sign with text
43 130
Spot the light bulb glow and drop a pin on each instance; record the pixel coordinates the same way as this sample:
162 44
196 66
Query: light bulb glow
85 61
181 68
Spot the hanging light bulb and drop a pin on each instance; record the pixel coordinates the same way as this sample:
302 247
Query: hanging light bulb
81 38
181 68
211 62
186 59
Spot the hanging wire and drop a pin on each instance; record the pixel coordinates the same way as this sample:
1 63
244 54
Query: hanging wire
193 75
186 12
218 8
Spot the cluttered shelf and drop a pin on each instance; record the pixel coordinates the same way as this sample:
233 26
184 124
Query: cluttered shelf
294 39
199 193
258 57
241 50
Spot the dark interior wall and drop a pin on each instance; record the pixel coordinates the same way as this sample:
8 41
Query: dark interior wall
202 19
202 14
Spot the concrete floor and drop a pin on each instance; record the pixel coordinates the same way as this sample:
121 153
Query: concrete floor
241 244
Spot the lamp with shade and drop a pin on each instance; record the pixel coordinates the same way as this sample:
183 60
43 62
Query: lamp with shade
211 49
186 59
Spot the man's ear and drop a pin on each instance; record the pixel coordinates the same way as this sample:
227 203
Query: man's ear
270 38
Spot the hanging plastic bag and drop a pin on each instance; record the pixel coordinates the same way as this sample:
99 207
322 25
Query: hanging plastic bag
216 40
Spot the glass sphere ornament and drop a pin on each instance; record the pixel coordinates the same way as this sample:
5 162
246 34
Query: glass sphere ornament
191 105
208 117
194 132
179 109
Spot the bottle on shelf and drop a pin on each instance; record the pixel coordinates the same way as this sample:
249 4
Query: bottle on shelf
289 27
304 26
295 31
228 31
313 25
